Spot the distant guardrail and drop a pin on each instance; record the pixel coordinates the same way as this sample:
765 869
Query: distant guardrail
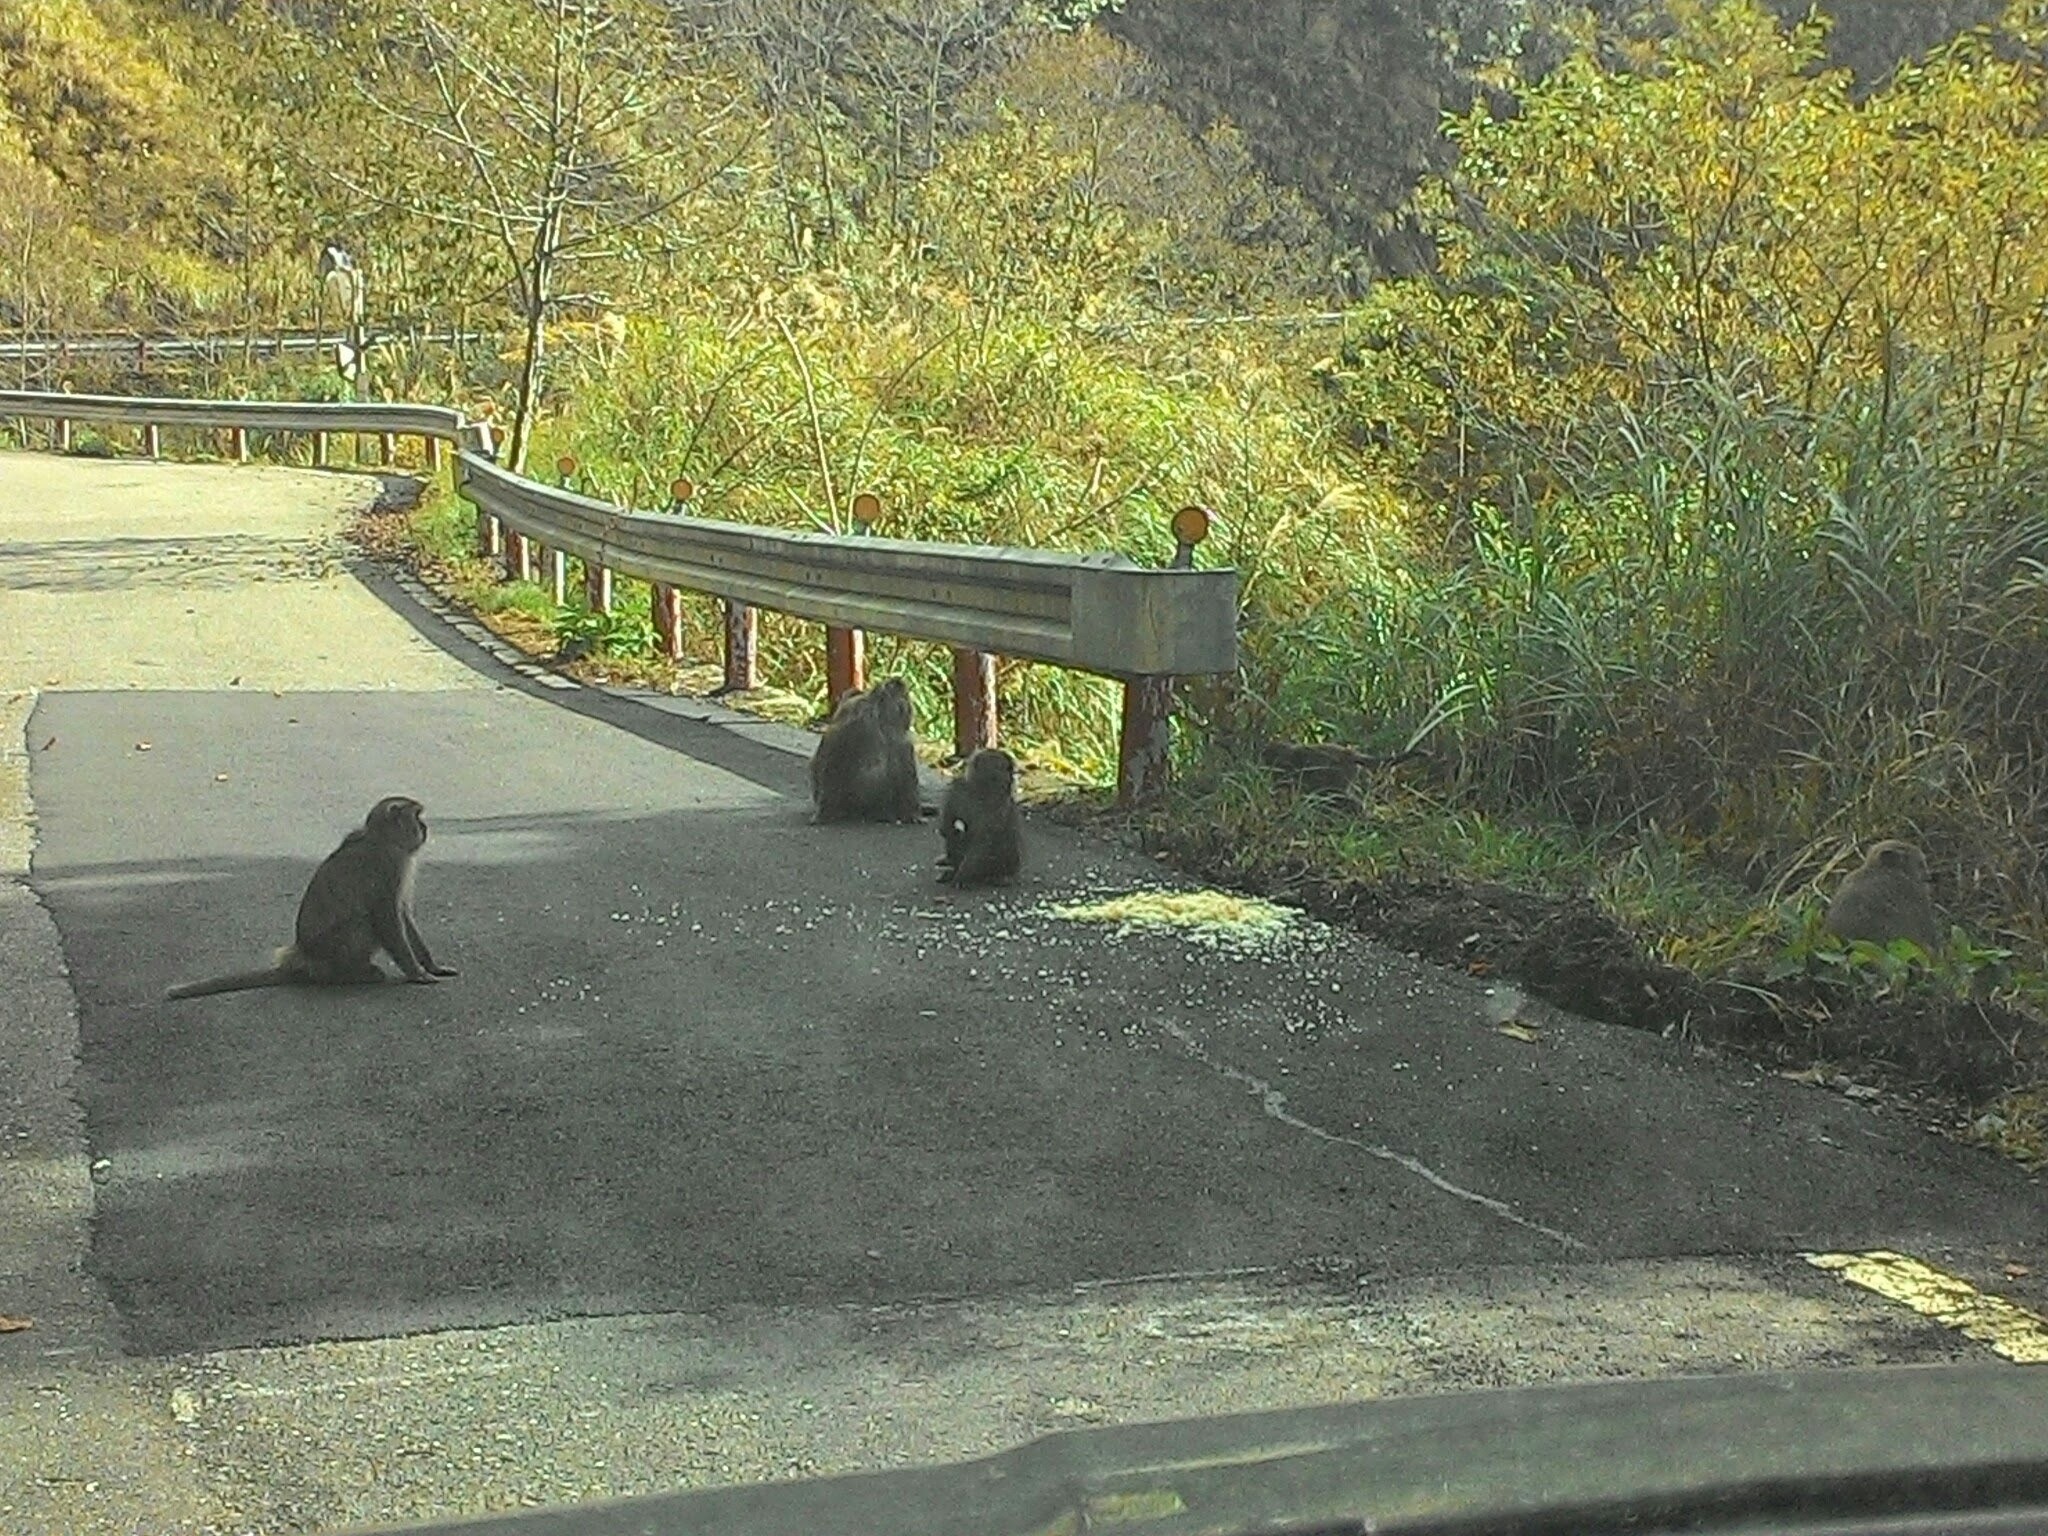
1099 613
211 348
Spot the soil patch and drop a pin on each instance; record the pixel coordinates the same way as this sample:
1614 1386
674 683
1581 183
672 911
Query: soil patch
1572 953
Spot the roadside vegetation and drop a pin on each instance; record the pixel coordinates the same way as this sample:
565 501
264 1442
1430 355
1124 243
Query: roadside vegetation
1683 529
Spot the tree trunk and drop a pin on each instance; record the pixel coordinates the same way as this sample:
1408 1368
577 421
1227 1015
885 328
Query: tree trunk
529 374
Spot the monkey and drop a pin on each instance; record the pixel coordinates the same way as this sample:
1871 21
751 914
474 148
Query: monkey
978 820
865 768
358 902
1887 899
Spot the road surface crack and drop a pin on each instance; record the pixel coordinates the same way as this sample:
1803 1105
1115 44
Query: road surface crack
1275 1104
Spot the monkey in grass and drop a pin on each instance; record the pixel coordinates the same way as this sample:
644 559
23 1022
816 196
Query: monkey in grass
358 902
978 820
1886 899
865 768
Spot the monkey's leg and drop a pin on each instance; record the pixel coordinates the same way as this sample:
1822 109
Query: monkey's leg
419 947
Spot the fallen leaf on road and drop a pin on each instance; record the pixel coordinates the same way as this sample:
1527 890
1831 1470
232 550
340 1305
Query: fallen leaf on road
49 744
220 778
15 1324
1860 1091
1519 1032
142 746
1806 1075
234 682
2017 1271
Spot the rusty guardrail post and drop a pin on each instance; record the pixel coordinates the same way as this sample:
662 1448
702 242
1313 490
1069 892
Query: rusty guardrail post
846 661
152 440
241 437
974 701
668 601
742 624
1145 742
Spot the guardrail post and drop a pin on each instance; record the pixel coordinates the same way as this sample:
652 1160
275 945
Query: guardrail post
668 601
433 450
63 435
1145 748
846 666
974 701
742 649
320 449
668 621
241 445
479 437
1144 751
152 439
597 579
555 562
387 447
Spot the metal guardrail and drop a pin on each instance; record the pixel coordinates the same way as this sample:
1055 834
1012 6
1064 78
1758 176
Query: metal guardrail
1098 613
436 421
211 348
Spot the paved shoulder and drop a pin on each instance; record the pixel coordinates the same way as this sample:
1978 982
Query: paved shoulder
118 574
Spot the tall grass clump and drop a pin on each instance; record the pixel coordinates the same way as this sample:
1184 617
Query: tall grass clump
979 428
1719 444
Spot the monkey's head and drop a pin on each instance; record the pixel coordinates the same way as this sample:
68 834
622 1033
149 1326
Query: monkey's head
891 701
1899 858
398 820
992 771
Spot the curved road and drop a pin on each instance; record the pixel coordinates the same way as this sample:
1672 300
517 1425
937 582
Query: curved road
740 1148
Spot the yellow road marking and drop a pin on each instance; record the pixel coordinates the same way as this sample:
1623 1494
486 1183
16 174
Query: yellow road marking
2009 1329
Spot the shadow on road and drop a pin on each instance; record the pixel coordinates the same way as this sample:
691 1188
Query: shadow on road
735 753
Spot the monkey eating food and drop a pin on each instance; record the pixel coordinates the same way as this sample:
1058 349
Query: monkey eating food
1886 899
865 768
358 902
978 820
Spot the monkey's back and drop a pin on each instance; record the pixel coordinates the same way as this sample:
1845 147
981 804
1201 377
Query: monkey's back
1877 905
334 914
863 769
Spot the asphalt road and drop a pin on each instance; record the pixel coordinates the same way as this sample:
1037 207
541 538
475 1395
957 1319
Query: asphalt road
740 1148
702 1053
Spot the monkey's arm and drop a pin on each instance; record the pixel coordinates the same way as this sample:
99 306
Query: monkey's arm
387 921
419 947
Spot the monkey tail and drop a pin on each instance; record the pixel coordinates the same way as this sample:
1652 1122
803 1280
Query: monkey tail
282 971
